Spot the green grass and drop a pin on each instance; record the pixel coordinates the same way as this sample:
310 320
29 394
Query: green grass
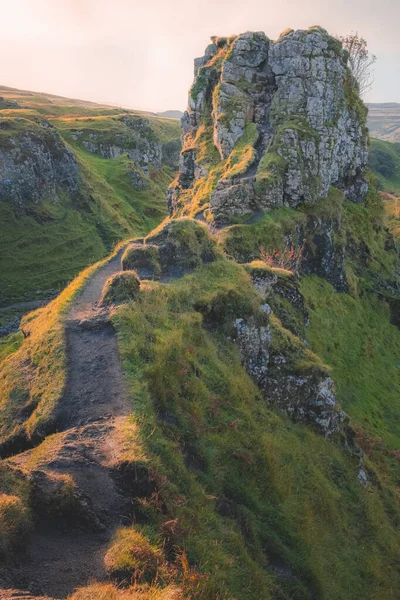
9 344
132 556
46 249
243 242
384 160
240 489
355 337
47 245
246 486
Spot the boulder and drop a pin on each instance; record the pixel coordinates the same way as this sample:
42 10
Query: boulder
144 259
121 288
183 244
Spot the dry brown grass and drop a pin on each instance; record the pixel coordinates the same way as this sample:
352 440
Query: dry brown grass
104 591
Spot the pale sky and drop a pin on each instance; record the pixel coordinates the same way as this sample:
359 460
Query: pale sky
139 54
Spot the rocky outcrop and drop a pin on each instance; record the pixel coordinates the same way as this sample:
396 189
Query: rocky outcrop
308 398
310 124
120 288
182 246
177 248
35 163
281 289
133 137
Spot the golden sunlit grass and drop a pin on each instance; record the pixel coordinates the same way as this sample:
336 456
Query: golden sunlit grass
14 521
32 379
243 154
127 442
104 591
132 557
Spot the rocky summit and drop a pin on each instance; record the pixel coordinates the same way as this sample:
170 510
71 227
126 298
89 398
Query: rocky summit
284 118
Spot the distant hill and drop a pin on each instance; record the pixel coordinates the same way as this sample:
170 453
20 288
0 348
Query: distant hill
171 114
384 121
82 176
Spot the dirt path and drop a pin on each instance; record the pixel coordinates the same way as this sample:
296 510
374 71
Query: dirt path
67 551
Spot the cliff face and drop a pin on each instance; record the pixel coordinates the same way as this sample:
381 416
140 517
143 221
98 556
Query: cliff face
285 118
133 137
35 163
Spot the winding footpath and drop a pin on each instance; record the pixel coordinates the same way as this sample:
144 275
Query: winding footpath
67 551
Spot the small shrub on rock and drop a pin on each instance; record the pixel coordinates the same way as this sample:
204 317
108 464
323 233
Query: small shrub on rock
143 258
120 288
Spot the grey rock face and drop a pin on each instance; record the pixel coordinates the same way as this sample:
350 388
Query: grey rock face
242 93
254 342
310 122
136 140
36 164
233 199
324 256
271 285
308 398
326 142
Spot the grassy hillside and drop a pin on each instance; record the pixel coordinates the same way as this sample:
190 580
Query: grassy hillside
384 160
45 245
246 503
384 121
241 502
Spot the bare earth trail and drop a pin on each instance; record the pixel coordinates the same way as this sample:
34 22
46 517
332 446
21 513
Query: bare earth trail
66 552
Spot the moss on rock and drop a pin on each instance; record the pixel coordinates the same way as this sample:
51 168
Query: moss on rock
183 243
121 288
142 258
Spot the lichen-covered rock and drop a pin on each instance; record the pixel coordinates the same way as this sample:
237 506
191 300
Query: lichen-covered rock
183 244
135 139
35 163
324 255
121 288
281 289
233 200
143 258
299 93
254 342
137 178
308 397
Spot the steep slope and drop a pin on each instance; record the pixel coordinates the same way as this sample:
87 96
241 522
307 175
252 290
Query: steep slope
75 178
384 160
249 473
